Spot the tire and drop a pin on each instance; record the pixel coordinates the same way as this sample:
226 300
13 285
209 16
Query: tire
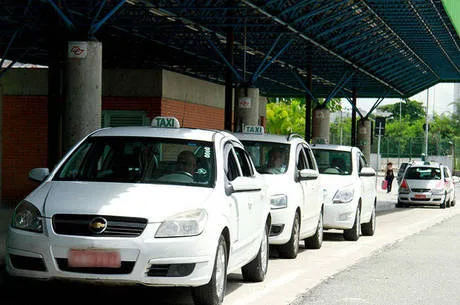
368 229
353 233
291 248
444 204
316 241
213 292
256 269
400 205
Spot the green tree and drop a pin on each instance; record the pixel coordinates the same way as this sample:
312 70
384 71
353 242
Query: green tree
286 117
411 110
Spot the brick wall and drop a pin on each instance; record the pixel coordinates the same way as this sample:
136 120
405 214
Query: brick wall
24 143
25 132
194 115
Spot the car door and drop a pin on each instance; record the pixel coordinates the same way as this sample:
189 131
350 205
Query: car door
368 188
448 183
308 205
256 196
242 203
314 184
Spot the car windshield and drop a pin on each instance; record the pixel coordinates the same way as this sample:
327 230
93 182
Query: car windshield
423 173
333 162
268 157
141 160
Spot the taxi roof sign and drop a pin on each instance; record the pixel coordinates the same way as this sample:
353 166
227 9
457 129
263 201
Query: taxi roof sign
165 122
254 129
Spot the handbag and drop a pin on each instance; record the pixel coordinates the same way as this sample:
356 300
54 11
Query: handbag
384 184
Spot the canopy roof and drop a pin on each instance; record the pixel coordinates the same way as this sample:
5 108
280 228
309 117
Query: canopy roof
381 48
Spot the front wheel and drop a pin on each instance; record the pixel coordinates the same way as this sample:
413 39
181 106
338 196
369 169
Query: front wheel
353 233
256 269
291 248
368 229
316 241
213 292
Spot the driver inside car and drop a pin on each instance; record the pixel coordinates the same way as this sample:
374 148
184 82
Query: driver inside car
186 162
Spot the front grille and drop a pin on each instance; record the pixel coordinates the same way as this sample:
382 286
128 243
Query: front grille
170 270
421 190
27 262
77 224
126 268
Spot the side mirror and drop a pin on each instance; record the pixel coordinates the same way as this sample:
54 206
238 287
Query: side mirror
39 174
308 174
367 172
243 184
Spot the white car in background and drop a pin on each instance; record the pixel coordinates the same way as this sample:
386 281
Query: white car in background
146 205
296 194
351 186
427 183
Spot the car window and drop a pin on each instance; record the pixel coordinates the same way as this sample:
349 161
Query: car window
362 162
423 173
302 162
333 162
310 158
446 172
244 161
232 170
141 160
268 157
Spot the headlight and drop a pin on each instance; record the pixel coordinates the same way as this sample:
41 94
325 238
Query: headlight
278 201
189 223
344 195
437 191
27 217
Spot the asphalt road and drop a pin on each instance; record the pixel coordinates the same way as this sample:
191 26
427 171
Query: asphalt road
423 270
300 279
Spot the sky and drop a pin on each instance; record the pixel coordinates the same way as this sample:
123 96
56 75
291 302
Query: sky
440 99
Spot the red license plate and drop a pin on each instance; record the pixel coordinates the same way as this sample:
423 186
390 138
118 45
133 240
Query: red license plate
94 258
420 196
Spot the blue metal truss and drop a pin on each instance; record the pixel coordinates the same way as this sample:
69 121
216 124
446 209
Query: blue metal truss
396 48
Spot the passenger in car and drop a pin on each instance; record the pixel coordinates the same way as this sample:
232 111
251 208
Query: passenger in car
186 162
339 164
435 175
276 162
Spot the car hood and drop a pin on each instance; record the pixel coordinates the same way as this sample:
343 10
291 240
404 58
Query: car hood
154 202
332 183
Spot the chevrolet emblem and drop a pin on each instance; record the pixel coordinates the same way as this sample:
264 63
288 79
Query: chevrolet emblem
98 225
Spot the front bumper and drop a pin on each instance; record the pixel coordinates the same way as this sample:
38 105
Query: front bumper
184 261
339 215
426 198
281 227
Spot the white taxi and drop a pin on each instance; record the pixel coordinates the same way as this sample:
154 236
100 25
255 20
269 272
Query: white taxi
427 183
156 206
351 186
296 194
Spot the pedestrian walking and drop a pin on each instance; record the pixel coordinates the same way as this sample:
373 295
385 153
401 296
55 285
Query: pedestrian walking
389 176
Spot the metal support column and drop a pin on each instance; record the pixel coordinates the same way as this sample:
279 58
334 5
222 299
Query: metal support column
353 119
308 106
228 82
